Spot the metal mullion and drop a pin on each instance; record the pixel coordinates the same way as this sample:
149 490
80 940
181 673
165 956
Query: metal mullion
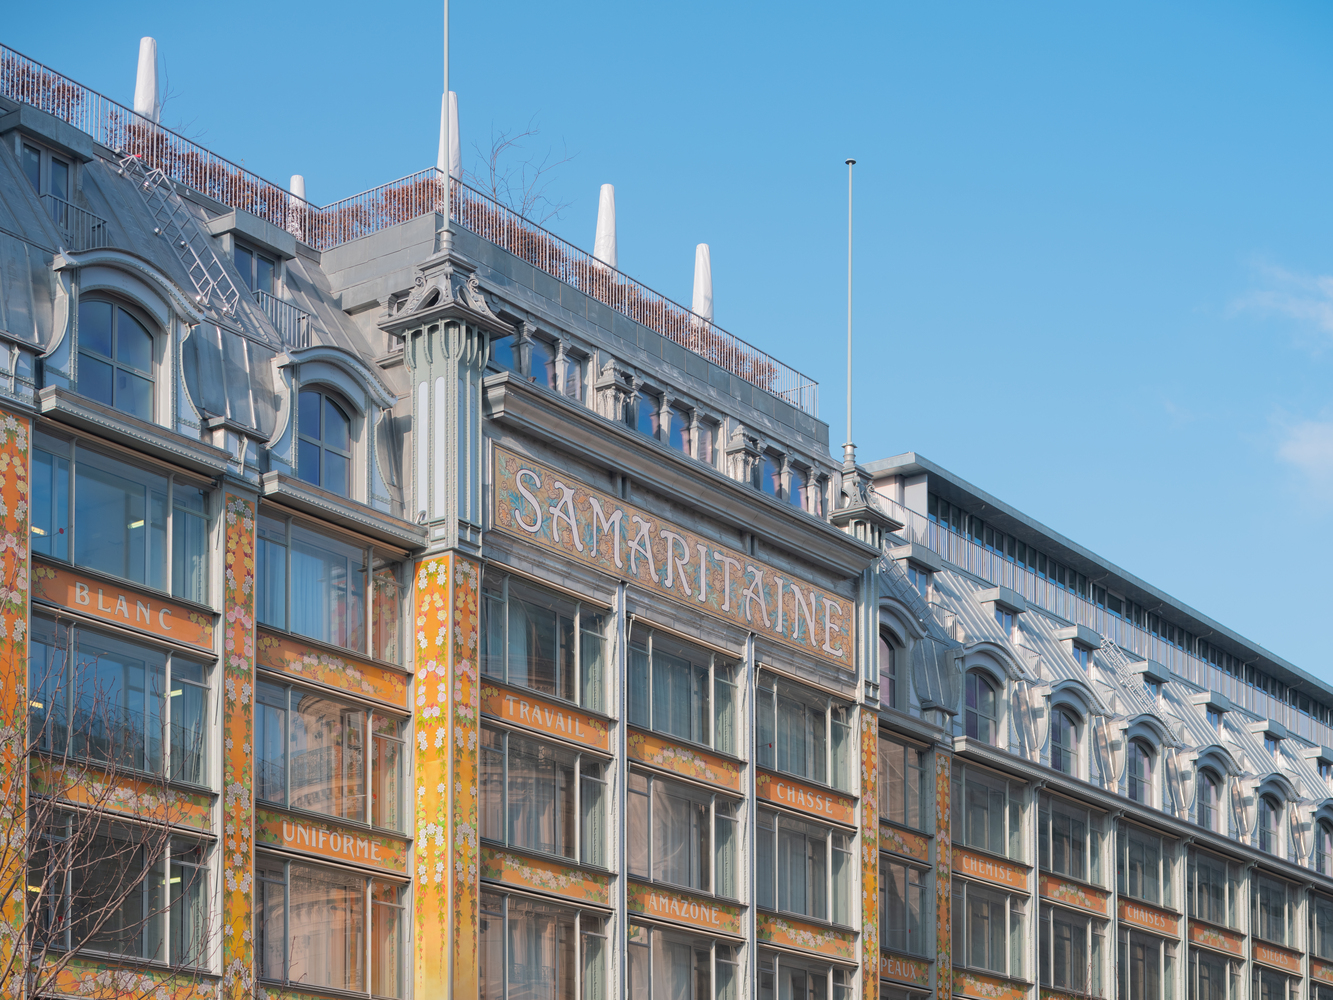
712 843
286 751
368 605
504 665
368 930
69 495
168 760
578 808
287 574
504 940
504 797
578 954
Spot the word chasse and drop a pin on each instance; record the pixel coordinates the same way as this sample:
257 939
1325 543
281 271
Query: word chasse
550 508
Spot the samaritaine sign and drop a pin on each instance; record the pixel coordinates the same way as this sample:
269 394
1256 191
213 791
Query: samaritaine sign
557 512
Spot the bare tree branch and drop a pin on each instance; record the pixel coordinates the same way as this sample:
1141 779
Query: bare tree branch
521 184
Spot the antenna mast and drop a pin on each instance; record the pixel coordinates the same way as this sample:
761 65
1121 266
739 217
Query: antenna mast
849 449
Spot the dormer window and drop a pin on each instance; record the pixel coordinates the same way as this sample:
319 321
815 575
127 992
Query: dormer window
771 477
324 442
115 364
1271 743
647 414
1214 716
257 270
682 430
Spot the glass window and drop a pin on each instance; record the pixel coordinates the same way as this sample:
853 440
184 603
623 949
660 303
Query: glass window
502 354
324 442
647 414
803 732
115 357
682 434
386 610
1143 867
256 269
771 476
541 368
665 965
94 886
541 797
793 870
707 433
1268 829
310 928
1323 848
921 579
902 784
682 690
987 812
1269 985
783 978
981 717
888 673
1322 940
796 486
311 754
1069 840
1147 967
1208 801
315 585
1213 977
1271 910
574 367
682 835
32 166
538 951
1072 952
902 907
988 929
127 514
105 699
535 638
1213 889
1139 772
1064 742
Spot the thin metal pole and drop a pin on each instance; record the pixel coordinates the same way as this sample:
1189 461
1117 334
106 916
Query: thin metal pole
850 445
447 236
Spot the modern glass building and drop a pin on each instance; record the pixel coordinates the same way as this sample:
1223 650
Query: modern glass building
400 602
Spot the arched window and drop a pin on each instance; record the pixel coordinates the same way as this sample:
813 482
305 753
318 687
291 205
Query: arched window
324 442
1208 800
1064 742
981 720
1323 848
1139 769
888 672
115 357
1270 815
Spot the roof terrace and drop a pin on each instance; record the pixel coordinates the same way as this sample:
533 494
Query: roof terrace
186 163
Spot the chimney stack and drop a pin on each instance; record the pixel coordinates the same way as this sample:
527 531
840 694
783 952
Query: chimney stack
449 120
297 186
604 248
703 283
146 100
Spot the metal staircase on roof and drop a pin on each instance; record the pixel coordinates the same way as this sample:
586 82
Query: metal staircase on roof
1132 688
192 245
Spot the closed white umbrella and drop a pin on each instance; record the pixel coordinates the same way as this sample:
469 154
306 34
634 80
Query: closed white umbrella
703 283
604 247
147 101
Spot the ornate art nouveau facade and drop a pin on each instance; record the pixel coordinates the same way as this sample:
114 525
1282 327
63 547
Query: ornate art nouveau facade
462 620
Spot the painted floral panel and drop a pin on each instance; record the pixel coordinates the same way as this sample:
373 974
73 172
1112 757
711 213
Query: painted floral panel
653 749
465 736
14 602
974 984
431 618
547 876
870 829
238 725
790 933
103 980
290 655
802 798
1073 894
943 871
913 845
1323 971
86 786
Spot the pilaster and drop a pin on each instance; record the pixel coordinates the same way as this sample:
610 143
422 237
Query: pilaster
14 575
238 727
870 943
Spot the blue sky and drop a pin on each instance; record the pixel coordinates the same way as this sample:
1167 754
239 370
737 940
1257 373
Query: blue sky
1094 241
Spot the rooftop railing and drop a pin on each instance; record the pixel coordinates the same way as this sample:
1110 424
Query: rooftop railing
81 229
292 322
185 162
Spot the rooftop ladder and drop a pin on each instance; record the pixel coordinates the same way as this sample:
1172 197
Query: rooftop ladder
174 222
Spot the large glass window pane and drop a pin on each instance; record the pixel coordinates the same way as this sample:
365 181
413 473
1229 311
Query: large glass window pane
189 899
387 958
189 710
118 697
189 543
327 769
328 589
271 742
125 510
387 774
271 573
326 928
680 835
50 504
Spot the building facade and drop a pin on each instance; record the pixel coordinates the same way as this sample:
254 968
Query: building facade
402 603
